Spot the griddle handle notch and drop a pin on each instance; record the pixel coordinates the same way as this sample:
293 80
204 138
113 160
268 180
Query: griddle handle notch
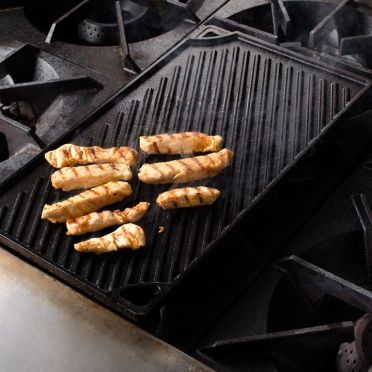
140 295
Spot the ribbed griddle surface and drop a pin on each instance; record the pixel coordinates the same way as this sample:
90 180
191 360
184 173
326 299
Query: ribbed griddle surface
269 105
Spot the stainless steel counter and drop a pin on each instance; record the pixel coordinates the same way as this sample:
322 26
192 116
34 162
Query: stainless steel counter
47 326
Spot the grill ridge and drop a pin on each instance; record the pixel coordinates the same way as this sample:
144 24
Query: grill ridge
36 222
184 93
195 91
30 201
14 212
118 126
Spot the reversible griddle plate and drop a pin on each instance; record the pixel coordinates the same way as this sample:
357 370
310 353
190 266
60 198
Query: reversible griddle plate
269 105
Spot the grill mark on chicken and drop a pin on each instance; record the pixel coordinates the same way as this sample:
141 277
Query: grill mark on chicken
188 201
153 166
198 163
187 166
199 195
156 148
211 159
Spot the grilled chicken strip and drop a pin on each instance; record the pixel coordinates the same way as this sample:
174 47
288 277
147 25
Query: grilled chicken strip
97 221
186 170
68 154
178 143
89 201
127 236
84 177
187 197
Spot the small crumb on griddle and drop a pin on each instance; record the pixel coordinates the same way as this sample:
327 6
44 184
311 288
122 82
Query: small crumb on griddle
161 229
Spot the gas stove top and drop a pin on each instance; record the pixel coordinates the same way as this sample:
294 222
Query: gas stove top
277 276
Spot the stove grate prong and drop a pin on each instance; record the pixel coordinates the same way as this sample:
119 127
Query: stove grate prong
20 133
281 18
33 91
365 216
288 347
19 64
128 63
321 32
161 4
356 45
313 283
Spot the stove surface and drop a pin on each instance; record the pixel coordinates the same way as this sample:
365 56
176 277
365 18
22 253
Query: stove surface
290 288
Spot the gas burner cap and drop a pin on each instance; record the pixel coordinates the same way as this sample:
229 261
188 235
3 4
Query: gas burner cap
357 356
101 27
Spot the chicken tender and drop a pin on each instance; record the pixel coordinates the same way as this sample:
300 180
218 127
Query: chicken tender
186 170
97 221
83 177
89 201
177 143
127 236
69 154
187 197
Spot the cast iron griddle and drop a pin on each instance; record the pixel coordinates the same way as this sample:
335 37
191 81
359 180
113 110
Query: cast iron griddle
270 106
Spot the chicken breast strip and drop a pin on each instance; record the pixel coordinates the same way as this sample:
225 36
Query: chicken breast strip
84 177
187 197
186 170
89 201
69 154
98 221
127 236
177 143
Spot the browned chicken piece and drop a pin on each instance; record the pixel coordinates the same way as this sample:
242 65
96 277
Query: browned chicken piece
69 154
187 197
98 221
127 236
186 170
84 177
88 201
178 143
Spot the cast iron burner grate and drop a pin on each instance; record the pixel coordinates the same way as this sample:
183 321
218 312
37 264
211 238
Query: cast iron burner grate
339 34
114 38
316 310
40 100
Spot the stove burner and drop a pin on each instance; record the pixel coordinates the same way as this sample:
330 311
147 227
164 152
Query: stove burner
101 27
314 27
357 355
94 22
